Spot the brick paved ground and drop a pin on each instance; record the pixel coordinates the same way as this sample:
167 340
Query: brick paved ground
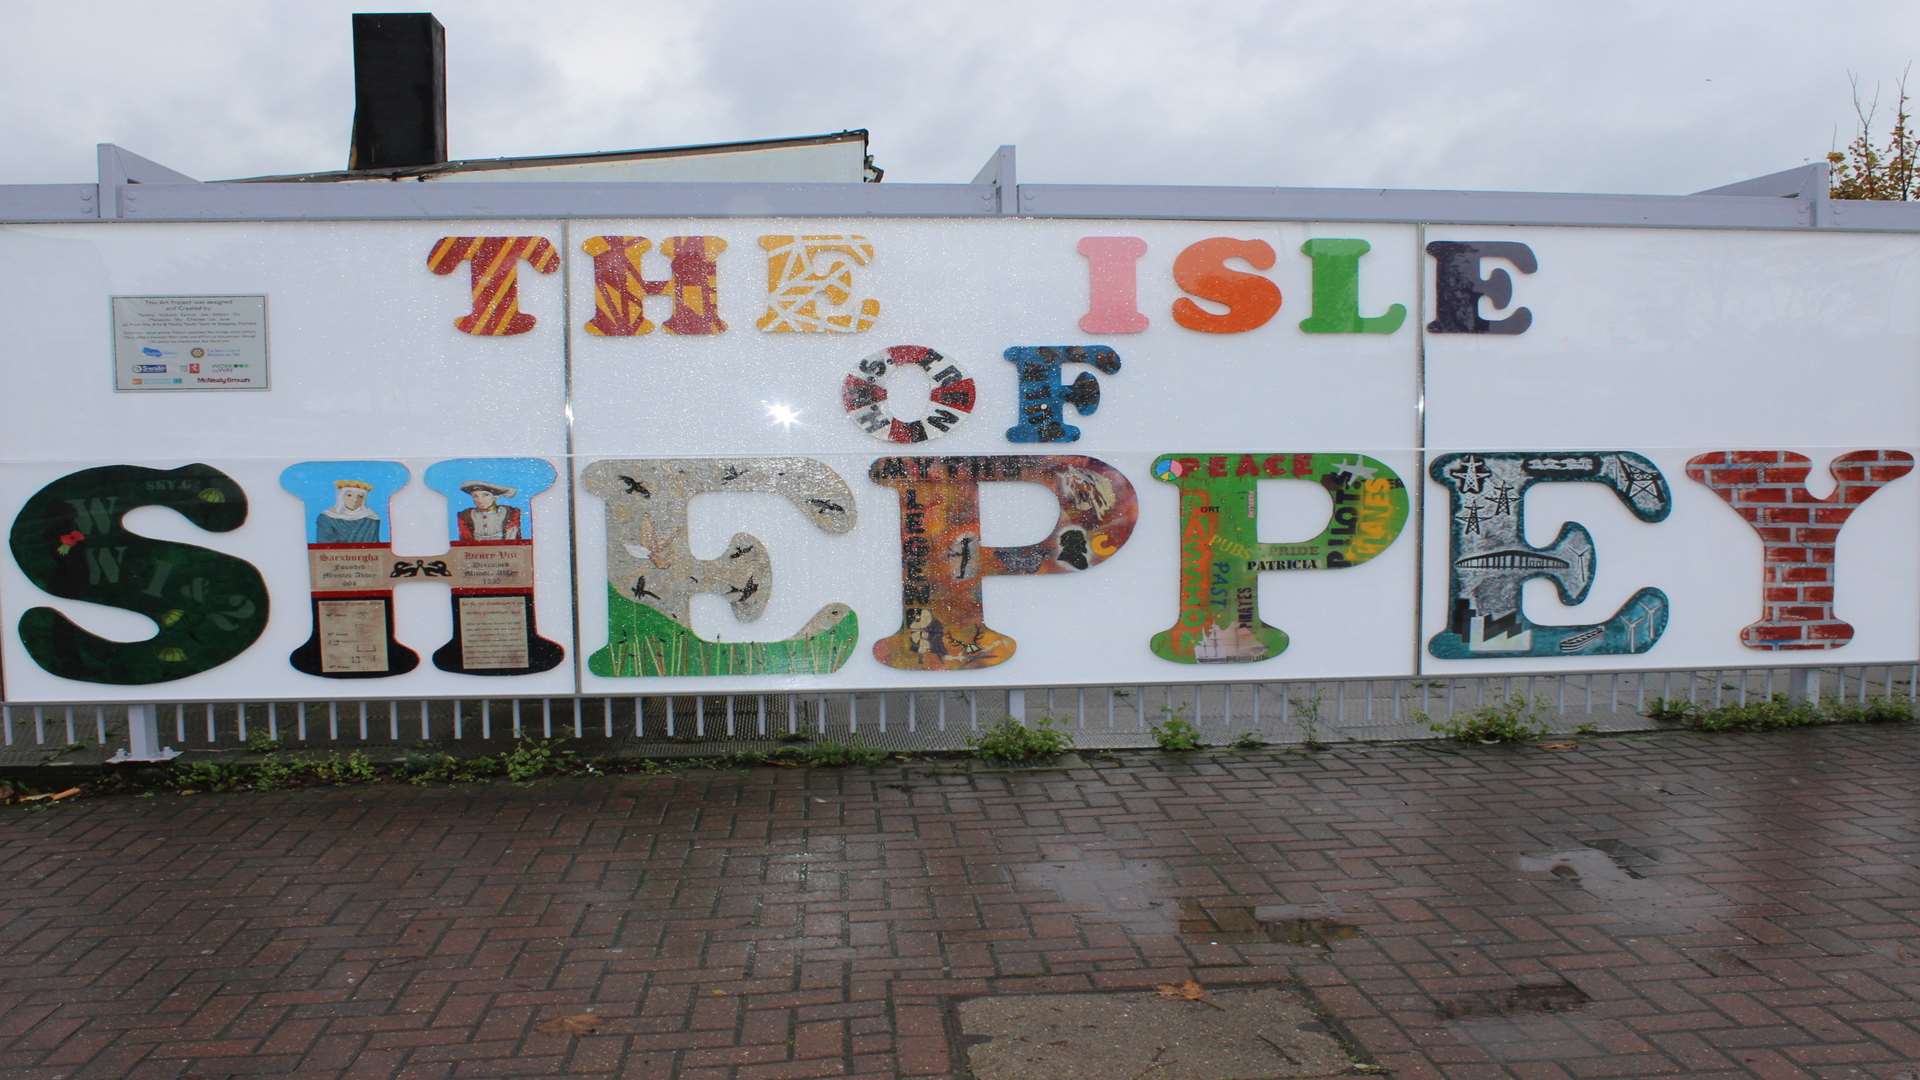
1659 905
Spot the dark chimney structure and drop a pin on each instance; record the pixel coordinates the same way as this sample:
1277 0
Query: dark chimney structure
399 92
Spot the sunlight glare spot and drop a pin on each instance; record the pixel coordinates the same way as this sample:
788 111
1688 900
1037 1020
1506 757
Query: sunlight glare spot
781 413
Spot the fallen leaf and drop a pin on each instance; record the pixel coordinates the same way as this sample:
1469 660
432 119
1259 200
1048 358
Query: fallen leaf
1560 746
1186 991
54 796
576 1024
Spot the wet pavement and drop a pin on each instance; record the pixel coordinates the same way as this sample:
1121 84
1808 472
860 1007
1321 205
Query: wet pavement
1658 905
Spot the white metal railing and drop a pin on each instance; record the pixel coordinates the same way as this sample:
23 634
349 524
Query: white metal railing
1099 717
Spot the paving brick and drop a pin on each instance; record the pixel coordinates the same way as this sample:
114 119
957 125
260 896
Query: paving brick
1738 925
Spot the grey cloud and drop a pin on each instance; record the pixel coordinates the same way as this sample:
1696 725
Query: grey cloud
1636 96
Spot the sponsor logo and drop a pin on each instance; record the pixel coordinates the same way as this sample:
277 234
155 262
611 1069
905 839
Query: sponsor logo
150 368
148 350
197 352
193 369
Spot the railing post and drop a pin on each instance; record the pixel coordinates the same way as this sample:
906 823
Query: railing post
143 738
1797 683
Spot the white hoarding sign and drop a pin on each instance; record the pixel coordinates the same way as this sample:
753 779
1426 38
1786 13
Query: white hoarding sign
764 455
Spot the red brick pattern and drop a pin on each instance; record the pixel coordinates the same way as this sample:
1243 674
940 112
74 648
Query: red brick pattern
1797 533
1737 906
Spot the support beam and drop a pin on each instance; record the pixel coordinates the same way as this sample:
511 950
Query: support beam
1807 183
120 167
1001 181
1799 182
49 202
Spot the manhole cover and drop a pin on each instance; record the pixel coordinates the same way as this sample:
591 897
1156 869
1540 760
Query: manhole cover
1261 1034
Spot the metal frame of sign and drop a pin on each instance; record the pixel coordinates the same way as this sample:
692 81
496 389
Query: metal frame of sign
132 189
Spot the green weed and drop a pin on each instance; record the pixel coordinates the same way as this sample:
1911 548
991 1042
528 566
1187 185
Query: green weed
1010 740
1507 718
1778 712
210 776
1769 714
1663 711
1307 714
355 768
1880 710
444 768
274 774
277 773
531 759
1176 734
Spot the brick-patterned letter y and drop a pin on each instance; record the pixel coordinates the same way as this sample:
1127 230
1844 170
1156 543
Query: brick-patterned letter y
1797 533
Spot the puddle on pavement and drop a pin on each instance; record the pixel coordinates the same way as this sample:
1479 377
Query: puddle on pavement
1117 890
1631 859
1121 892
1613 872
1524 1000
1597 871
1240 925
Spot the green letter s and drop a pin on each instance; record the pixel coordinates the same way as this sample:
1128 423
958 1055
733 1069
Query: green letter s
68 539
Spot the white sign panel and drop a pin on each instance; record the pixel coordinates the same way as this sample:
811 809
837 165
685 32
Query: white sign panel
196 567
612 456
1727 377
857 343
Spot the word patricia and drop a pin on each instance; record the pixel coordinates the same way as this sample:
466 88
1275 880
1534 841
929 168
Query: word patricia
71 541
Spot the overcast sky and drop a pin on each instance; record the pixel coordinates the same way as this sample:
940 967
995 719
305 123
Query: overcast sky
1659 97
